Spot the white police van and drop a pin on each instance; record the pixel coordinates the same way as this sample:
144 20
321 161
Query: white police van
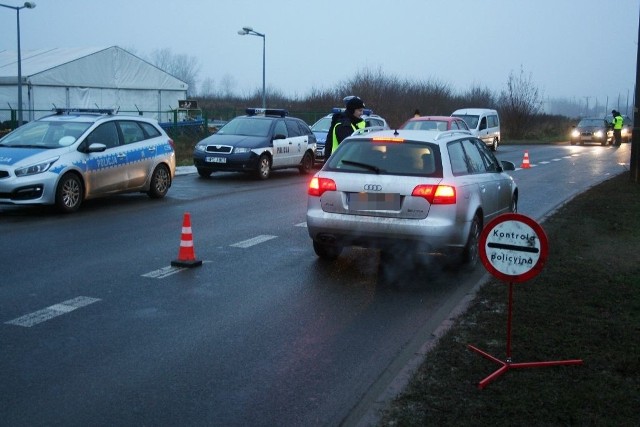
74 155
483 123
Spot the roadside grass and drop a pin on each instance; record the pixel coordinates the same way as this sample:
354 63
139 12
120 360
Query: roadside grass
585 304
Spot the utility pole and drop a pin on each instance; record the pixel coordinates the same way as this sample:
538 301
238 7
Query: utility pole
635 135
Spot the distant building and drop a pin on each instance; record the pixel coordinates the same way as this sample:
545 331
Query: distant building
86 78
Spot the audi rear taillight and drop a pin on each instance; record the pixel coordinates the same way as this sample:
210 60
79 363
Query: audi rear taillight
436 194
173 146
318 186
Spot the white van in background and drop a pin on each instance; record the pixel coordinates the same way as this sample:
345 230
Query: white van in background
483 123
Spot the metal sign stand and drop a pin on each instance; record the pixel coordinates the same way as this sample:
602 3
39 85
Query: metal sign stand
507 364
514 248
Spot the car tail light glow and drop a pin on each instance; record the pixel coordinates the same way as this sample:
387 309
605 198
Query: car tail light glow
172 144
318 186
436 194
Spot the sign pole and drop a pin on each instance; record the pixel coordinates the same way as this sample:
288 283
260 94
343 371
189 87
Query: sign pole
514 248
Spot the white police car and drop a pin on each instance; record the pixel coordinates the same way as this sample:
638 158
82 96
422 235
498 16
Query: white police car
74 155
261 141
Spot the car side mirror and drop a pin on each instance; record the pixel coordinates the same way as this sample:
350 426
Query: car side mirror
507 165
96 148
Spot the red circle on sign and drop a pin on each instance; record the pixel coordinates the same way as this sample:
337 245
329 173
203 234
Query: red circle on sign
539 234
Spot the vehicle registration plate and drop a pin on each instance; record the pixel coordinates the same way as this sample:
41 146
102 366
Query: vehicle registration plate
216 159
374 201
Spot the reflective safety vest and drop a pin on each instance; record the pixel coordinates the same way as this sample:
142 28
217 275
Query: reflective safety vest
360 125
617 122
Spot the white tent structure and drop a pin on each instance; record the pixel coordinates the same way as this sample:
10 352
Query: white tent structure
86 78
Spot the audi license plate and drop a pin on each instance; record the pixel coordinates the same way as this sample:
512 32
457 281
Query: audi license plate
374 201
216 159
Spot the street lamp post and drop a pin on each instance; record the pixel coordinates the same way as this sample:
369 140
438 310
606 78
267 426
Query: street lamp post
248 30
28 5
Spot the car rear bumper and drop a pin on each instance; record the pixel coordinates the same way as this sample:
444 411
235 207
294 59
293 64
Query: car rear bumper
376 232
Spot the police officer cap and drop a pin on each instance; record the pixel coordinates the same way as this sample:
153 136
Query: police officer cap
353 103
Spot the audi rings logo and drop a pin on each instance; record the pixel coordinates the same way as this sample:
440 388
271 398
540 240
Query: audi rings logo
372 187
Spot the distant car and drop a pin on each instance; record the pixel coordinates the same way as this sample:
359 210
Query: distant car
440 123
408 190
75 155
321 128
592 130
259 142
627 127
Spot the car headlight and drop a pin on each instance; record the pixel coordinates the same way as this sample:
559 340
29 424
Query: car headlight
598 134
239 150
575 133
201 147
36 169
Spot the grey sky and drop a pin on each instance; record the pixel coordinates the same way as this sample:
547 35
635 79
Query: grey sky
571 48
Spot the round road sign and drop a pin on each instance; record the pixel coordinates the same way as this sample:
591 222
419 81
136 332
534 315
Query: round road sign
513 247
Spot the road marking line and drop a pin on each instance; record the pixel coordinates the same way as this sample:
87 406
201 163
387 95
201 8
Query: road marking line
302 224
254 241
52 311
163 272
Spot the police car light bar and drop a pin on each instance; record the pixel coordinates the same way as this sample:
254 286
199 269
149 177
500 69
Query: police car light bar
266 112
60 111
334 110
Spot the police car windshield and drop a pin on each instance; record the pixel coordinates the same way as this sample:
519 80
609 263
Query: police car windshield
45 134
247 126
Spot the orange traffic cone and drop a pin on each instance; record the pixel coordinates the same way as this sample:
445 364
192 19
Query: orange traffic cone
525 161
186 254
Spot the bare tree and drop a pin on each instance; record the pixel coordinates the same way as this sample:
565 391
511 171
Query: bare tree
519 104
181 66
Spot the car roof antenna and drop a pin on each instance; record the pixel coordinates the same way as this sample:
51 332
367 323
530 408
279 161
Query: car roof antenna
395 132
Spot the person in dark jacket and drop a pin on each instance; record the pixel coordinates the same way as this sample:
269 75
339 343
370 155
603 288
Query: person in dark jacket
350 121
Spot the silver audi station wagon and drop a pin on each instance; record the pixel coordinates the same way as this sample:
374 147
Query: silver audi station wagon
74 155
424 191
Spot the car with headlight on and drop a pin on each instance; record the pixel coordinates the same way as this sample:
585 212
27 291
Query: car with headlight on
258 142
80 154
415 190
592 130
321 127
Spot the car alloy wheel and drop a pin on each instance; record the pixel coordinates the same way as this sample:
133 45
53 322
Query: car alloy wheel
69 193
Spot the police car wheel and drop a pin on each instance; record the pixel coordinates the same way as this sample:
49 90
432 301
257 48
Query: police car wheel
69 193
204 173
307 163
264 167
160 182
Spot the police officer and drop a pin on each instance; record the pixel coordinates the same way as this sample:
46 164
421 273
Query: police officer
350 121
617 122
